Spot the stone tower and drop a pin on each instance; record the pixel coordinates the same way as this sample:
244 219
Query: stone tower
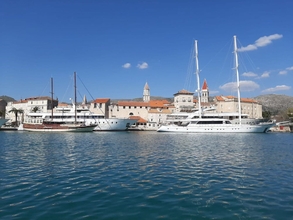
205 92
146 93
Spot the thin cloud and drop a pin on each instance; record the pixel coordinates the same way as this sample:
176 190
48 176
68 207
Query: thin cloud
265 75
249 74
143 65
276 89
284 72
261 42
245 86
126 65
214 92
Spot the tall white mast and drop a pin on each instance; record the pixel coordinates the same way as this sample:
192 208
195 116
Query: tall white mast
197 78
237 75
75 113
52 98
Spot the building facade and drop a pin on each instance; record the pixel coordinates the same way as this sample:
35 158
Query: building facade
33 104
3 105
152 113
230 104
183 101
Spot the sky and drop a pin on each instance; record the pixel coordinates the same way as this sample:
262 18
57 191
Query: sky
116 46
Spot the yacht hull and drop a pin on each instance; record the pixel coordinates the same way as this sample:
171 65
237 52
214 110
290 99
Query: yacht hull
55 128
217 129
113 124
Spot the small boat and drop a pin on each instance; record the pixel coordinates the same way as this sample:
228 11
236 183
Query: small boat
202 122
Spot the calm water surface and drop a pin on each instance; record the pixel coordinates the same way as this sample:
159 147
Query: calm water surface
145 175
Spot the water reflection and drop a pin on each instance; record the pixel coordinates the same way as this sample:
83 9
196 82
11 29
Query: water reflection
152 174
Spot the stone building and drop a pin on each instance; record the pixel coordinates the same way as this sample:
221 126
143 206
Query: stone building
230 104
37 104
101 106
3 104
183 101
150 113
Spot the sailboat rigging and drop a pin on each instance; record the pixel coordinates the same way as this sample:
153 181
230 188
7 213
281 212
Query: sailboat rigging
39 122
211 122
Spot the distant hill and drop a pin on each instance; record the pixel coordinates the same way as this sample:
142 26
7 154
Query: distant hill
276 104
7 98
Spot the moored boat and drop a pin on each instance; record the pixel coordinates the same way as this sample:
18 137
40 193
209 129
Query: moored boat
201 122
82 116
36 122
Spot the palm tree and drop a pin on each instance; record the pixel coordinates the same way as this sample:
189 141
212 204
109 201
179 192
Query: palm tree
16 112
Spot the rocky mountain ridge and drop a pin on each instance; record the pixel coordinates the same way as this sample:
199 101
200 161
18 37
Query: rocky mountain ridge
276 104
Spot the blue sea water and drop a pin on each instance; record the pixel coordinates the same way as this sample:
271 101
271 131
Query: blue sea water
145 175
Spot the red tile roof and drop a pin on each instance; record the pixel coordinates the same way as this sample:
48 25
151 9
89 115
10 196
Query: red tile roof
163 111
183 91
39 98
21 101
224 98
140 120
205 85
219 98
102 100
132 103
248 100
158 103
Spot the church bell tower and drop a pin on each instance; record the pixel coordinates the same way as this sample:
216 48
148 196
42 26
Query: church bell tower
205 92
146 93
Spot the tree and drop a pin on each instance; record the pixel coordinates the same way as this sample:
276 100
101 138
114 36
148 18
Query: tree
266 114
16 112
35 109
290 113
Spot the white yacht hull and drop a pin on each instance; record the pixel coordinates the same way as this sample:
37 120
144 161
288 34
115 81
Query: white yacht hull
113 124
101 124
230 128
